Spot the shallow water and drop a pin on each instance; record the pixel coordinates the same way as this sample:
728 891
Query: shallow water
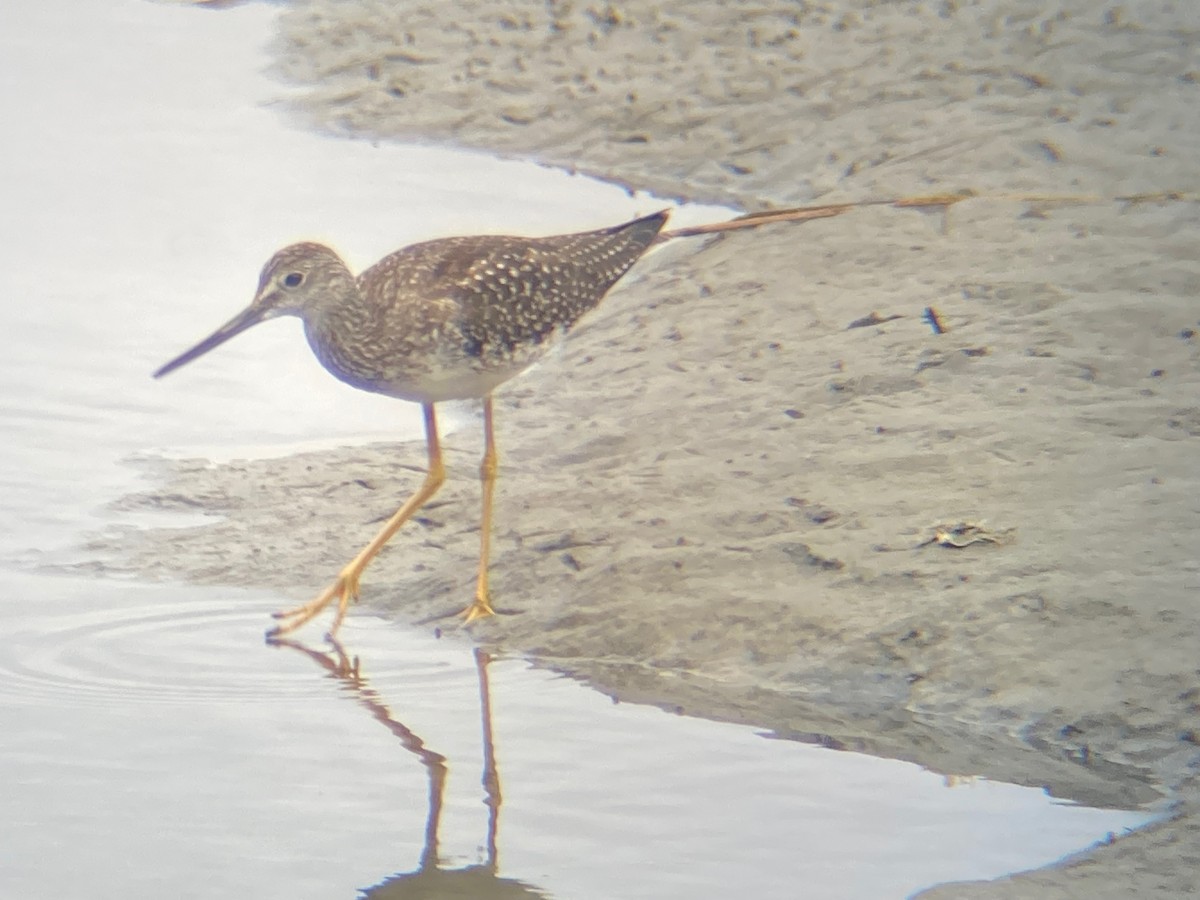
152 743
155 746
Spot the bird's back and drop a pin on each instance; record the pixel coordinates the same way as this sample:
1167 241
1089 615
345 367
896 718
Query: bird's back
455 316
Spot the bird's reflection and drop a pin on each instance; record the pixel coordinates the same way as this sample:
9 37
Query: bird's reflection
430 880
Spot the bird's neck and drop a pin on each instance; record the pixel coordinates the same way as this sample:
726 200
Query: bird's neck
339 330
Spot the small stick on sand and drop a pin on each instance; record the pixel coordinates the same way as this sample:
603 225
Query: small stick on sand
930 201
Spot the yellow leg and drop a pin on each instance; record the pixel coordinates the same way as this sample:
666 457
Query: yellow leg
345 587
481 607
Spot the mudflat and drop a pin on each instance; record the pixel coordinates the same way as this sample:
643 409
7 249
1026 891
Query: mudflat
756 484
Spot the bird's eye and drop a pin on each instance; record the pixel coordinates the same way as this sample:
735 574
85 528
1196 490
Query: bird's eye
293 279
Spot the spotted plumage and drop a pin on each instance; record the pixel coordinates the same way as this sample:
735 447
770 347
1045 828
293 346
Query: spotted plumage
448 319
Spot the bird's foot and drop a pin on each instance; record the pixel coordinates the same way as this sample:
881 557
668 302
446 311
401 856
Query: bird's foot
344 589
480 608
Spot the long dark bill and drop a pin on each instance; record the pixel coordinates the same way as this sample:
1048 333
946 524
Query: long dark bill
251 315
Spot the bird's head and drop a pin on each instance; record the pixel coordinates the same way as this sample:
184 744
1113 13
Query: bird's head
296 281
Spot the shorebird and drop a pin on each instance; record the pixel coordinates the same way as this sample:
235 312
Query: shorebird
448 319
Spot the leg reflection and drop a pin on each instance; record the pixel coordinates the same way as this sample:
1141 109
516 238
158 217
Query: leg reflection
480 880
491 775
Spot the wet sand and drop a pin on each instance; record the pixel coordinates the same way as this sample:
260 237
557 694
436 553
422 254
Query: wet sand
720 495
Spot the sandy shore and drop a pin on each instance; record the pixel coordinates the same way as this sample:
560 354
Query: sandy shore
720 495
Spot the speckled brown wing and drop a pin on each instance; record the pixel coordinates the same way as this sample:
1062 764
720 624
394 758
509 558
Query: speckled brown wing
454 317
518 292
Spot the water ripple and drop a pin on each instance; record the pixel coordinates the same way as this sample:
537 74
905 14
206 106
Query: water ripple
173 652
